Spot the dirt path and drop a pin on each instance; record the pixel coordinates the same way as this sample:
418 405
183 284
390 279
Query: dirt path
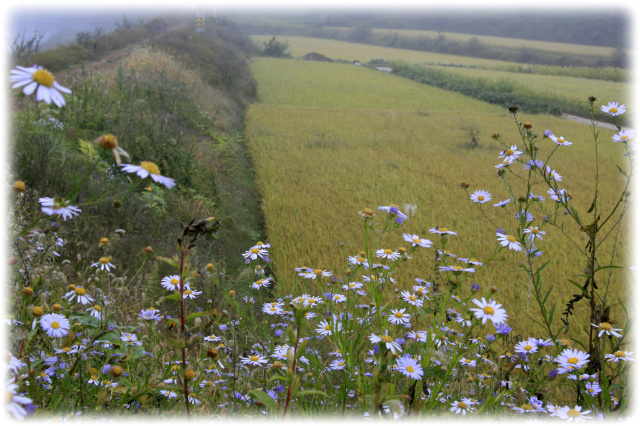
588 121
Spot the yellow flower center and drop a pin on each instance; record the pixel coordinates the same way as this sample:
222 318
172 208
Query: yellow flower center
327 327
410 369
398 314
66 349
620 354
386 339
341 363
412 298
528 348
175 367
509 152
150 167
526 407
255 250
416 240
360 259
606 326
473 259
462 405
174 281
97 308
317 271
104 241
188 291
560 139
80 291
352 285
254 358
260 281
43 78
104 260
624 138
55 325
573 360
442 229
273 309
511 238
613 110
573 412
457 268
480 197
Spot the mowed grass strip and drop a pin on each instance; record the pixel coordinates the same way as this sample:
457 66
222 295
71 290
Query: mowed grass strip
578 89
321 156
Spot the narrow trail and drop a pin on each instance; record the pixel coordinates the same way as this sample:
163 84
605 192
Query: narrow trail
588 121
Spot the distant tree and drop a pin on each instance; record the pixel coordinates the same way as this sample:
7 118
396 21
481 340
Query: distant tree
275 48
89 39
22 47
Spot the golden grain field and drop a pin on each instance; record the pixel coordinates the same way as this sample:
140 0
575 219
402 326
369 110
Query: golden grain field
330 139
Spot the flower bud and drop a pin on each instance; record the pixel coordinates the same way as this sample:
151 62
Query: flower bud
116 371
28 291
189 374
37 311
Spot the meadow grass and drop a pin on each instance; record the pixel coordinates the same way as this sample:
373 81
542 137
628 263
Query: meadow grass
322 154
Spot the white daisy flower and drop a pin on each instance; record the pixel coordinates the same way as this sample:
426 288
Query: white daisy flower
273 309
104 264
149 314
502 203
255 360
560 195
534 232
51 206
14 402
146 169
442 231
605 327
480 196
55 325
338 298
95 311
388 254
573 414
510 154
526 347
409 367
613 109
81 295
619 356
415 240
509 241
489 311
172 283
571 359
393 210
39 80
553 174
399 317
263 282
559 140
390 344
462 407
623 136
352 286
411 299
338 364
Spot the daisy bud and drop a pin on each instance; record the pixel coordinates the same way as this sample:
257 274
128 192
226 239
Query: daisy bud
93 371
496 135
18 186
189 374
148 249
513 109
232 293
117 204
28 291
116 371
464 185
366 213
277 364
210 266
37 311
56 307
527 125
54 226
71 287
212 353
493 289
104 241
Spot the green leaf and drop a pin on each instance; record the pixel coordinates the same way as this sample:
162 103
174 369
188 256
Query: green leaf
553 309
265 399
174 296
169 261
278 377
196 314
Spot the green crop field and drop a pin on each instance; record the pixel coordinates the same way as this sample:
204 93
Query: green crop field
513 43
300 46
331 139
